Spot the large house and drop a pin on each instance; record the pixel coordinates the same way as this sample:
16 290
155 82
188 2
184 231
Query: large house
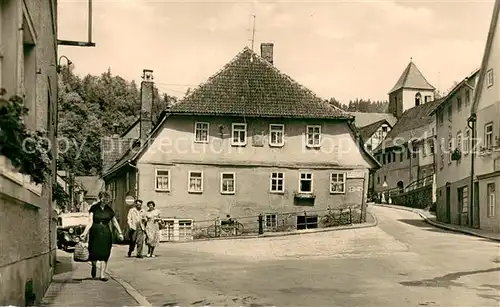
453 146
249 141
403 162
485 121
28 69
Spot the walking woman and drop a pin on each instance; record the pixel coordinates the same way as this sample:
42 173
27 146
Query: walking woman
152 217
99 231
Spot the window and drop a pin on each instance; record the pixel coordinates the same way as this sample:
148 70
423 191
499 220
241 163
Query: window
185 230
306 183
201 132
239 134
459 104
450 149
389 157
277 182
401 156
490 77
393 156
424 150
385 178
162 180
463 197
227 183
276 135
459 141
383 158
195 182
428 98
488 135
450 111
467 141
337 183
313 136
431 146
490 188
378 179
271 221
418 98
440 117
467 97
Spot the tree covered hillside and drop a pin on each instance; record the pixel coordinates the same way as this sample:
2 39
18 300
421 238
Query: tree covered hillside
88 108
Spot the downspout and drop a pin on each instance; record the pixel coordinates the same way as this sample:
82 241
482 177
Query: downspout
471 123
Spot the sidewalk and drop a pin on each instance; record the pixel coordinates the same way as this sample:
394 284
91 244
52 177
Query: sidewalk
72 286
431 219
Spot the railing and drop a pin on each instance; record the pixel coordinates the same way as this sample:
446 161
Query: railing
420 183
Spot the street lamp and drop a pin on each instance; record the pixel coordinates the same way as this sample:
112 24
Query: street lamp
59 66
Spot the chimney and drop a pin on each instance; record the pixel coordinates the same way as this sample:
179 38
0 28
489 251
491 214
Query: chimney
266 52
146 121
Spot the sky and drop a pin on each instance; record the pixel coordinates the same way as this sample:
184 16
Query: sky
342 49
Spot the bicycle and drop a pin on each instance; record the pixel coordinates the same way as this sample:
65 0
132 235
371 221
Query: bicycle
332 220
228 227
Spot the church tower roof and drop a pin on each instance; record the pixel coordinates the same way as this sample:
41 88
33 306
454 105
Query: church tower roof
412 78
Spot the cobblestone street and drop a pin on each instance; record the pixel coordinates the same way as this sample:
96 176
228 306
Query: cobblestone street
401 262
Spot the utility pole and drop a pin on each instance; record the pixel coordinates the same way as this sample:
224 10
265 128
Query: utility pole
253 31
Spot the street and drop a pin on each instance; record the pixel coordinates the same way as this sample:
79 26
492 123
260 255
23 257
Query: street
401 262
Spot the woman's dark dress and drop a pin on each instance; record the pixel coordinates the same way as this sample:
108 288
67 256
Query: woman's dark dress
100 237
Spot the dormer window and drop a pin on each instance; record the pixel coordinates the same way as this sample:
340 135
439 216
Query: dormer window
418 99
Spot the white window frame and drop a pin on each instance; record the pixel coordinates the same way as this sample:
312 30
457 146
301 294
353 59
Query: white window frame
300 181
307 136
459 141
196 129
489 77
272 178
488 144
233 130
222 181
169 176
190 173
450 150
343 182
276 128
467 141
274 222
491 200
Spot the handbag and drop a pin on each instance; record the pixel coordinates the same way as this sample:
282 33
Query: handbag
81 253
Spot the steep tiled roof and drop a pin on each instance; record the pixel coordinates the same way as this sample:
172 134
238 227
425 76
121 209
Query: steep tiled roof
413 123
367 131
412 78
250 86
363 119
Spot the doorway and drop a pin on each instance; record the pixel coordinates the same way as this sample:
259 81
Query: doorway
448 205
307 222
475 209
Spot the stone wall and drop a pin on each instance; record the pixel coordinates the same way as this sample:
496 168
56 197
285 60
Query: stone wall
418 198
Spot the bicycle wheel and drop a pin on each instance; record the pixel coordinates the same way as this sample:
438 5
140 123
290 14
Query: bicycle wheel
213 232
238 228
326 221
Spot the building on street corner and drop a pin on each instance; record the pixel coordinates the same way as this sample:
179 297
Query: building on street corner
28 69
485 120
248 141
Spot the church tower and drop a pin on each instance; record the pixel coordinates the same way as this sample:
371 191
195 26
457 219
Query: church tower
412 89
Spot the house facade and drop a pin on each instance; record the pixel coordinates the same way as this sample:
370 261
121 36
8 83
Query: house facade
250 141
374 134
28 69
453 148
406 154
485 117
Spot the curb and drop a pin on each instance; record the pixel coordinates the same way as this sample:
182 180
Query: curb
140 299
285 234
440 225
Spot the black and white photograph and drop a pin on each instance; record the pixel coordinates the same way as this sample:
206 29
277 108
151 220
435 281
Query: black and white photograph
249 153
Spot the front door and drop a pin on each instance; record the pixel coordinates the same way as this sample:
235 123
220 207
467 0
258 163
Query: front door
448 204
475 208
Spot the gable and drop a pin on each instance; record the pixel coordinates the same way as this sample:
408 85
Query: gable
363 119
367 131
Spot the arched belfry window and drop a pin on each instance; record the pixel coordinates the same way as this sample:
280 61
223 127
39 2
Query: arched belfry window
418 98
